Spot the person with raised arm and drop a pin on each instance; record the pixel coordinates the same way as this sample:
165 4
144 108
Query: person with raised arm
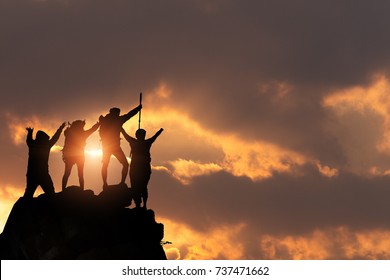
140 168
110 128
73 152
38 161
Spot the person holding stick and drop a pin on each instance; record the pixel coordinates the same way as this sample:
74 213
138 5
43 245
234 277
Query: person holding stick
110 128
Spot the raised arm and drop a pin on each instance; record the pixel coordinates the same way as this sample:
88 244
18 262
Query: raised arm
57 135
154 137
92 129
29 135
127 136
131 113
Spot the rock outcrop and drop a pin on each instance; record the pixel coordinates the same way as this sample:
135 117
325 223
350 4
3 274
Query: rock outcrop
77 224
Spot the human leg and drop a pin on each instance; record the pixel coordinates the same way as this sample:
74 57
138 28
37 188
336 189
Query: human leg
144 191
106 160
31 187
80 171
47 184
68 169
134 182
145 196
120 155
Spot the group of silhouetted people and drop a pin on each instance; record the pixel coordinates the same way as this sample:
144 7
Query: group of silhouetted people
73 154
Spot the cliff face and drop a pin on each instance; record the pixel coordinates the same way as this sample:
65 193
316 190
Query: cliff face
76 224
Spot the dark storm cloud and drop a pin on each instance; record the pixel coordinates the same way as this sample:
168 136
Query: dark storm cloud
86 42
215 55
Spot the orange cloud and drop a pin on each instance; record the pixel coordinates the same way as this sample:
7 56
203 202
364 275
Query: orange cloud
327 171
8 196
296 248
361 122
184 170
373 99
220 242
254 159
257 160
362 99
17 127
371 245
337 243
162 91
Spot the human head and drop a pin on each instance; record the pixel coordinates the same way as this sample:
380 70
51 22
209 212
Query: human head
42 136
78 124
115 111
140 134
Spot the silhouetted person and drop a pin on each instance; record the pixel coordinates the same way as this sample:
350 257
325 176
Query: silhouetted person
38 160
73 152
140 169
110 128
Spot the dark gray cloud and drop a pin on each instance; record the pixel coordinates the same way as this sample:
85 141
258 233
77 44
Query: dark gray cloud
215 55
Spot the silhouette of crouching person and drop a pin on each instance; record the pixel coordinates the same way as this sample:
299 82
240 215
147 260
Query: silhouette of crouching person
38 161
140 168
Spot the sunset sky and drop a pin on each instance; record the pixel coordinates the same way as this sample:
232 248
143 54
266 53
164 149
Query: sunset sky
276 115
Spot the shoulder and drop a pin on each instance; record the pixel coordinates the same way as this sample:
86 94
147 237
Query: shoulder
124 118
